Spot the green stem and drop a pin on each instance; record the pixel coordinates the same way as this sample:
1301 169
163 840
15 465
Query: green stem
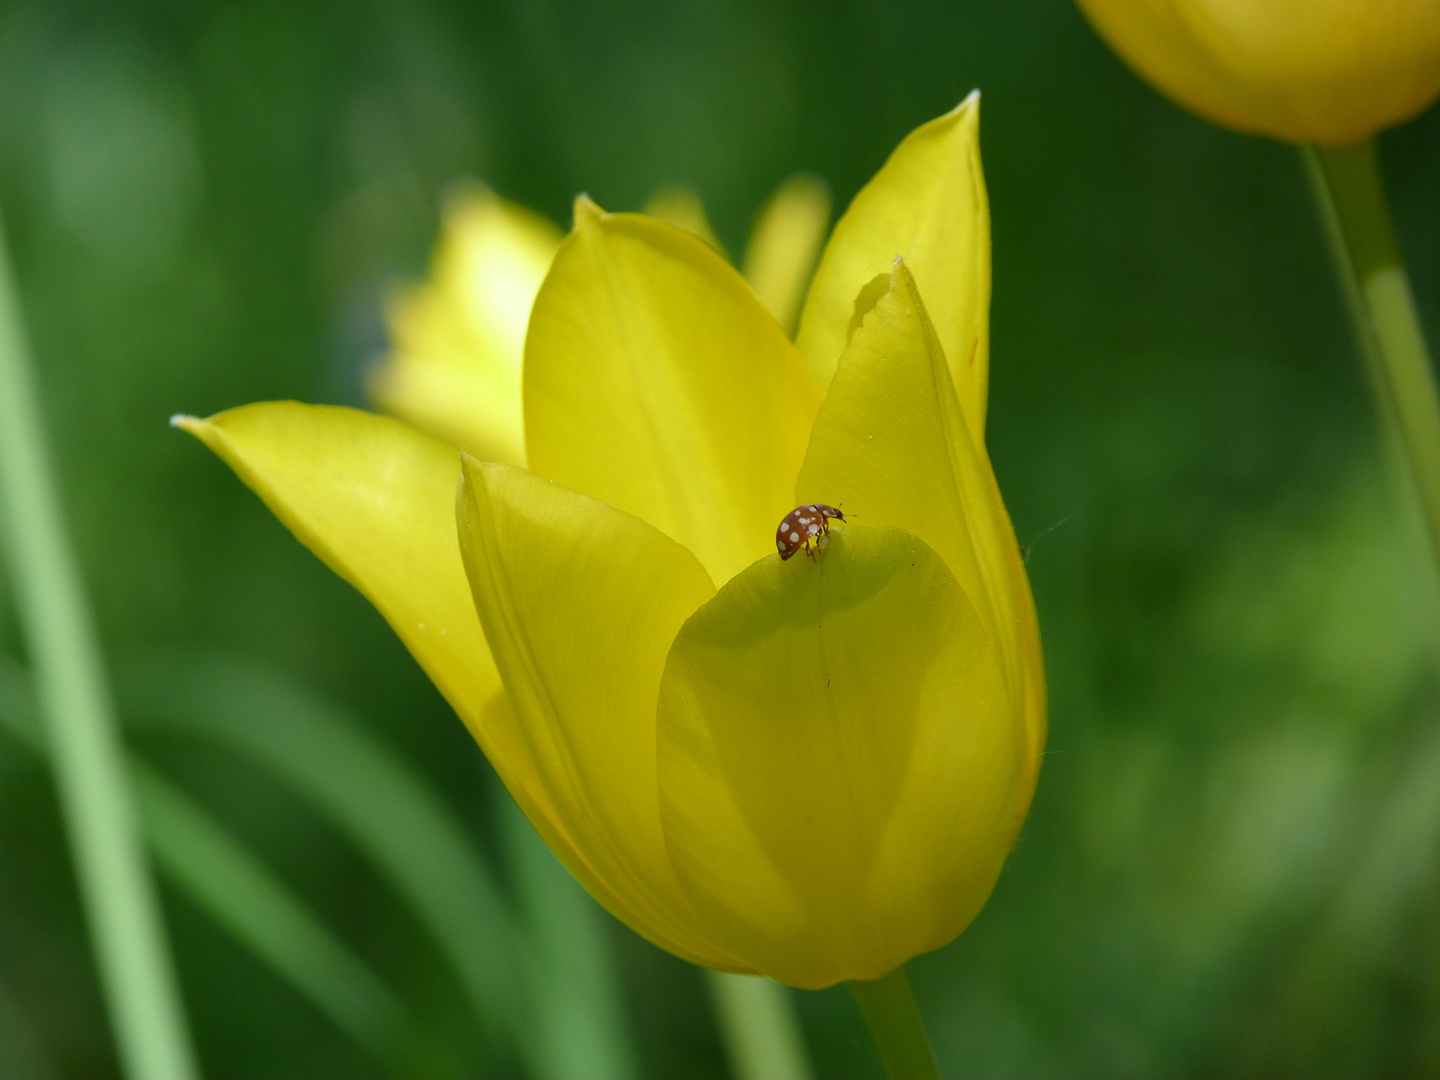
889 1009
1352 205
760 1028
81 732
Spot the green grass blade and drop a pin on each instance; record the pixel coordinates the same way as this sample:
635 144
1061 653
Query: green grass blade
760 1027
85 751
581 1027
241 894
372 796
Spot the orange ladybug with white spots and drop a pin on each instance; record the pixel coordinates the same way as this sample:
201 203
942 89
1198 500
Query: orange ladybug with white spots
802 525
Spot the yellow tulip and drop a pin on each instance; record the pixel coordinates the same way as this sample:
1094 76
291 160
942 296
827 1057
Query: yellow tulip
459 338
811 769
1331 72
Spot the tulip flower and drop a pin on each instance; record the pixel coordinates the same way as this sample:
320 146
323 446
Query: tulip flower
1331 72
460 336
810 768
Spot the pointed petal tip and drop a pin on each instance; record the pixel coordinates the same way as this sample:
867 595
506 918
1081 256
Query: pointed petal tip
467 463
970 103
927 202
902 279
206 428
197 426
965 115
472 472
587 211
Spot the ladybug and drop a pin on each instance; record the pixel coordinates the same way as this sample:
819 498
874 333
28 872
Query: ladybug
802 525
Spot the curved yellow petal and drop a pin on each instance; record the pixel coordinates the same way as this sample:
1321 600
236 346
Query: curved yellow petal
1327 71
580 603
784 245
891 446
376 501
681 206
927 205
458 340
537 806
655 382
838 766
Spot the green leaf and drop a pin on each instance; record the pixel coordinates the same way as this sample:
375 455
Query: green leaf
126 930
368 793
222 878
377 801
581 1027
240 893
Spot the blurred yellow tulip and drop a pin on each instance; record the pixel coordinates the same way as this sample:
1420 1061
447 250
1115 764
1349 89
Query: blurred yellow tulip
1331 72
810 769
458 339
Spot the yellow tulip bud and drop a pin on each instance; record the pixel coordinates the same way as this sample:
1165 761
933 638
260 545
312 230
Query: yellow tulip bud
1331 72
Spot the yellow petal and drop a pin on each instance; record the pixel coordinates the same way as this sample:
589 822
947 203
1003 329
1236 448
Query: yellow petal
467 410
838 765
376 501
656 382
534 800
459 339
580 603
891 446
681 206
784 245
1327 71
927 205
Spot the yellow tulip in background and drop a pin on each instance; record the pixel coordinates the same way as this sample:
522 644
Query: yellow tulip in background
1331 72
810 769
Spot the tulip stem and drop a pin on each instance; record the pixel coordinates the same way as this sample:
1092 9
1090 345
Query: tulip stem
1351 200
81 732
895 1023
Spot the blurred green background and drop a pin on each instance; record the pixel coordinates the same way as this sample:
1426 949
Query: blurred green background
1231 865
